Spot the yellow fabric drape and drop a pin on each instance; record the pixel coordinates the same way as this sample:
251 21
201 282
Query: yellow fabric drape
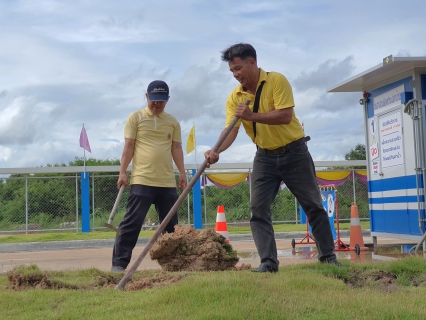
228 179
233 179
361 172
333 175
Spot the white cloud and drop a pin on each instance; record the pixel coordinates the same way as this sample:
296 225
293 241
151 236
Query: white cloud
65 63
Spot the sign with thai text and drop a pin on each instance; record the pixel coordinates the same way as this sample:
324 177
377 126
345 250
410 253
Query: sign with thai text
391 151
375 167
388 100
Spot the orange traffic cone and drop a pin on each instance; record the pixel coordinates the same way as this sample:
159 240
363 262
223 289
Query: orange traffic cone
221 226
356 232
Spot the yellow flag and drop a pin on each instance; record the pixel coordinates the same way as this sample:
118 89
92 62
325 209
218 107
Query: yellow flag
190 144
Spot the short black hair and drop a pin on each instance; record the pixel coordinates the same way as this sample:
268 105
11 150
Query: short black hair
239 50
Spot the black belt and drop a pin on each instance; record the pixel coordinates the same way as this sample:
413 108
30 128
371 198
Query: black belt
287 147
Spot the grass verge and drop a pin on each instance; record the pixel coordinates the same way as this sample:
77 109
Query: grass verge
309 291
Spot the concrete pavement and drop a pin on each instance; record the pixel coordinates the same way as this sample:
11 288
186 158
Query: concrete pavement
75 255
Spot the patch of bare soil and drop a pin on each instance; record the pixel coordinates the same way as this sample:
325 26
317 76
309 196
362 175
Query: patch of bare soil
159 279
188 249
31 277
379 279
21 278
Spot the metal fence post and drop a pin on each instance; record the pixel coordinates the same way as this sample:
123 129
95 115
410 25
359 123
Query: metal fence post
26 204
196 202
189 205
76 203
250 187
93 201
353 184
295 208
203 177
85 201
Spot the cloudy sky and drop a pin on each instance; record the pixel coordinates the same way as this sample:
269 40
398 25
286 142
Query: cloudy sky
65 63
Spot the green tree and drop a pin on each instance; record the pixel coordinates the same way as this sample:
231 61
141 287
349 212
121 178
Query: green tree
283 208
236 201
358 153
51 197
94 162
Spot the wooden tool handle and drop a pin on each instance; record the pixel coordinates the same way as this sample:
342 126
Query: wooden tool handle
117 202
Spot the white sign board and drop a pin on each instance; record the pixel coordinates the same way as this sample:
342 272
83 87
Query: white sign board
372 126
388 100
375 166
374 151
391 140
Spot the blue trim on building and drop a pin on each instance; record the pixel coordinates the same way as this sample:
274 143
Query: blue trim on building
423 81
406 96
401 199
397 183
396 221
379 91
399 221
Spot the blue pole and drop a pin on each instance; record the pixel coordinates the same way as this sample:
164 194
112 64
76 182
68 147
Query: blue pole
85 202
196 198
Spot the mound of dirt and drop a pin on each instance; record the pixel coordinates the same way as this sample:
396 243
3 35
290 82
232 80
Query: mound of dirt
31 277
21 278
188 249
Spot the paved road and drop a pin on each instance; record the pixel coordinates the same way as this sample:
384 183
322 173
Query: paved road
74 259
71 255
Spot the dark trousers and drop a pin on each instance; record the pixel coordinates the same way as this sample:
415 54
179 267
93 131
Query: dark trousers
297 170
140 200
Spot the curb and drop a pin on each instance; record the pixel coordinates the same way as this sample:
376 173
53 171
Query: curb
109 243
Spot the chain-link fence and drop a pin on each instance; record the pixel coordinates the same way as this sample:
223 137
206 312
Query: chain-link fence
104 193
35 202
285 208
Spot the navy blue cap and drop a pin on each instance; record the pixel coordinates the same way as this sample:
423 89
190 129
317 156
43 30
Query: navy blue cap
158 91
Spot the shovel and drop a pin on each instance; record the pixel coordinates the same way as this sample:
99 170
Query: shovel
113 211
162 226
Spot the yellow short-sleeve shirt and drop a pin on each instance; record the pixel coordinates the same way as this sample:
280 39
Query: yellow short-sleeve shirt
152 163
276 94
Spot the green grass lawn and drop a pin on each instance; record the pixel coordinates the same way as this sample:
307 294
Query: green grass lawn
98 234
374 290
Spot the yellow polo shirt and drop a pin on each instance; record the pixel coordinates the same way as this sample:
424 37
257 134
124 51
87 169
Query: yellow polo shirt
276 94
152 163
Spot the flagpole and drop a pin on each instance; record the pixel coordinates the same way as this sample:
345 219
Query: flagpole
195 146
84 155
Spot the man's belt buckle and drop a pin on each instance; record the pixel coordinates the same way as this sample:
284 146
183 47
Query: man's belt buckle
278 150
290 146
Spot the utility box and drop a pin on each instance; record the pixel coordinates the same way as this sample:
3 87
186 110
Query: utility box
392 95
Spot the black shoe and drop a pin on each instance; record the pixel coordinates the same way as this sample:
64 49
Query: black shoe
118 269
265 268
332 261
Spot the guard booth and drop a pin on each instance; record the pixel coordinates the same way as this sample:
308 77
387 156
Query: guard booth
393 95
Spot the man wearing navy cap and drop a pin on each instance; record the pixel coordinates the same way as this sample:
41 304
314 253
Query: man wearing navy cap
152 141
